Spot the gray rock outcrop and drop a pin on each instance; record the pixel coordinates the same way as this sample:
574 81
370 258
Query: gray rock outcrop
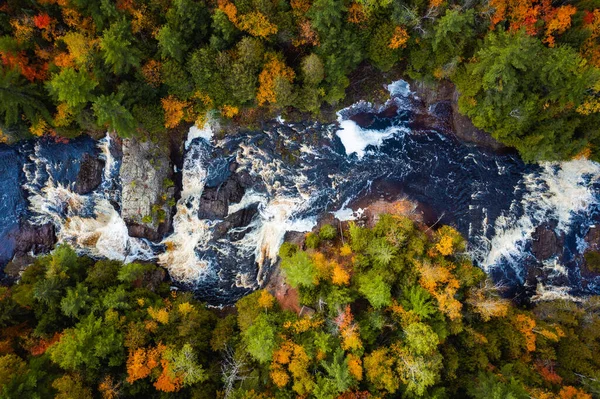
147 195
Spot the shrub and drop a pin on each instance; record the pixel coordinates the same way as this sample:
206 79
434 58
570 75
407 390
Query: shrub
312 241
327 232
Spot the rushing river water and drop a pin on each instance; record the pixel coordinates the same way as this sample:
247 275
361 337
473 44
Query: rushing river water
299 172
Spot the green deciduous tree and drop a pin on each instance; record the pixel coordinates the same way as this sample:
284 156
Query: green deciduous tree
260 339
90 344
421 339
183 363
490 386
299 270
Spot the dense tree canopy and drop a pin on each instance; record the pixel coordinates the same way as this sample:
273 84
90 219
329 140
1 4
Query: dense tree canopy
392 311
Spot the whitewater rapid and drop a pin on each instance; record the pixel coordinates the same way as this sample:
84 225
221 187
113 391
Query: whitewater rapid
297 172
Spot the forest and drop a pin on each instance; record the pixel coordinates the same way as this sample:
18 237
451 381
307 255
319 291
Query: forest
527 70
392 311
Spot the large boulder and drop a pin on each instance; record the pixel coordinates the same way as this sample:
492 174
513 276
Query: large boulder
441 101
147 197
546 243
30 240
592 238
215 200
90 174
466 131
215 204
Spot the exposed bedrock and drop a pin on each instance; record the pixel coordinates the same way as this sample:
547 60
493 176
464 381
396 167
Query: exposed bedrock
216 200
148 190
546 243
30 241
441 101
90 174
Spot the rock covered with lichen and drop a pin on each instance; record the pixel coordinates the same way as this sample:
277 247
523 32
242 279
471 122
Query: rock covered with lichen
148 189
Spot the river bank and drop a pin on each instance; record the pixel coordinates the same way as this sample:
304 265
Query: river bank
221 207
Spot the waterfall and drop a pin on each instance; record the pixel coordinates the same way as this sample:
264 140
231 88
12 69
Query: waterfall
293 173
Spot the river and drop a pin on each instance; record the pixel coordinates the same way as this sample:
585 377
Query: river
297 172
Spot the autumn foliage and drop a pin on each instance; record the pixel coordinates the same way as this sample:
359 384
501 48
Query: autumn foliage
42 21
347 337
174 110
274 69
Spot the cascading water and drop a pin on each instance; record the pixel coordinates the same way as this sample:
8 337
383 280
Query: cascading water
293 173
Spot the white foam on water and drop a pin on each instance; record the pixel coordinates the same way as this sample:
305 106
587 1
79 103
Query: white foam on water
278 207
399 88
344 214
89 223
559 192
556 268
206 132
356 139
553 293
110 164
189 231
94 227
304 225
250 197
267 232
101 234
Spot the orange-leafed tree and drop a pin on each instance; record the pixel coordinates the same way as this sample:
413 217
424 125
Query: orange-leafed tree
273 69
525 325
109 389
167 382
136 365
399 38
174 110
570 392
257 24
42 21
558 20
357 14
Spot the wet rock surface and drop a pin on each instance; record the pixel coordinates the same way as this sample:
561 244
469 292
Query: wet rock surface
592 239
30 241
90 174
146 173
441 101
215 200
466 131
546 243
215 204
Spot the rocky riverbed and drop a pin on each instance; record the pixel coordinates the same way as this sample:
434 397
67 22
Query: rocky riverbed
214 214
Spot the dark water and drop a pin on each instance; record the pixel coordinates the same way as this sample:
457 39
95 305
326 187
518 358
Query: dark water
493 199
28 166
12 201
